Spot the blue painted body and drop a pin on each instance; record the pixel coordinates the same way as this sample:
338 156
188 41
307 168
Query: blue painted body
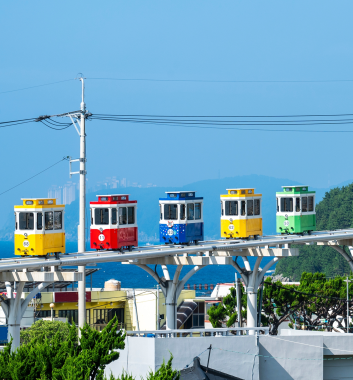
181 231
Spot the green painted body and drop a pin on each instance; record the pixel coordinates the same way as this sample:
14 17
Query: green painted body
296 224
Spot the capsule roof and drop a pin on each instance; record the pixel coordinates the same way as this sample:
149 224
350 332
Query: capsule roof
179 195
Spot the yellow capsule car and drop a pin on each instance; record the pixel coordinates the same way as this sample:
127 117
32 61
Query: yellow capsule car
241 214
39 227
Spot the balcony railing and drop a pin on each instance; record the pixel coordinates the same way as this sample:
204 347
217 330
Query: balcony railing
234 331
100 326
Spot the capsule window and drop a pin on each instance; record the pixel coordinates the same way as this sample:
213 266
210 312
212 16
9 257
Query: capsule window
49 220
305 204
39 221
182 212
257 209
222 210
58 220
197 211
250 208
231 207
190 211
310 204
170 211
242 208
297 204
26 220
286 204
160 211
131 215
101 215
122 216
277 205
114 216
15 222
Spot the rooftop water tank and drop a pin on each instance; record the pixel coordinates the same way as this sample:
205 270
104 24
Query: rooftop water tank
112 285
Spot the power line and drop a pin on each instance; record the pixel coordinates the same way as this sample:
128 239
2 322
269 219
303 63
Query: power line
222 81
39 85
63 159
229 125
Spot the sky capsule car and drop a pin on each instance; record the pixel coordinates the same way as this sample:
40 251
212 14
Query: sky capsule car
39 229
181 218
241 214
295 210
113 223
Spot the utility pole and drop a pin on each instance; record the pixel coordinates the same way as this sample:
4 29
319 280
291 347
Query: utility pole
82 223
347 324
158 319
81 232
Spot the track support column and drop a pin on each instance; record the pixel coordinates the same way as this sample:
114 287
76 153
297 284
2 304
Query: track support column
252 280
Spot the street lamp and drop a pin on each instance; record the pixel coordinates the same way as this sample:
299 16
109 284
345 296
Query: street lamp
347 281
52 311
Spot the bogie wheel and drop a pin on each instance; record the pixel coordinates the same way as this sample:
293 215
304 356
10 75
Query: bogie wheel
130 248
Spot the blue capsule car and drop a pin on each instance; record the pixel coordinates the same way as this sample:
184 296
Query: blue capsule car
181 218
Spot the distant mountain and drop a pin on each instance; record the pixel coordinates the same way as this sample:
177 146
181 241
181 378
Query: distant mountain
148 209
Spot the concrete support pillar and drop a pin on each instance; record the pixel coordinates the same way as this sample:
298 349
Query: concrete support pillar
171 290
346 256
14 308
82 299
252 280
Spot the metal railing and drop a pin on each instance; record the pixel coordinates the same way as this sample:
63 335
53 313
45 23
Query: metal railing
234 331
101 326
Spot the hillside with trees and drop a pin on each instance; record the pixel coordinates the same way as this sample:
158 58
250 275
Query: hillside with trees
335 211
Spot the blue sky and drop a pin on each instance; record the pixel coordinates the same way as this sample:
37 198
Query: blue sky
44 42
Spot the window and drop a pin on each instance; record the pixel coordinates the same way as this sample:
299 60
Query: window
15 222
231 207
29 202
197 211
101 215
304 204
191 194
114 216
131 215
170 211
103 316
49 220
71 315
277 205
190 211
257 210
249 191
287 204
172 195
160 211
250 208
104 199
26 220
198 316
91 216
58 220
297 204
242 209
310 204
183 195
243 191
39 221
233 192
122 216
182 212
222 210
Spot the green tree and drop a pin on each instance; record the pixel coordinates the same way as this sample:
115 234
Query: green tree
45 329
58 359
335 211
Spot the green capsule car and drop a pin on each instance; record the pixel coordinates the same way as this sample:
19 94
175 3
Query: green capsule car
295 210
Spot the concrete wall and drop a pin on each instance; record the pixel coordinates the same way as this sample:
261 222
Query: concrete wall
287 363
144 354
